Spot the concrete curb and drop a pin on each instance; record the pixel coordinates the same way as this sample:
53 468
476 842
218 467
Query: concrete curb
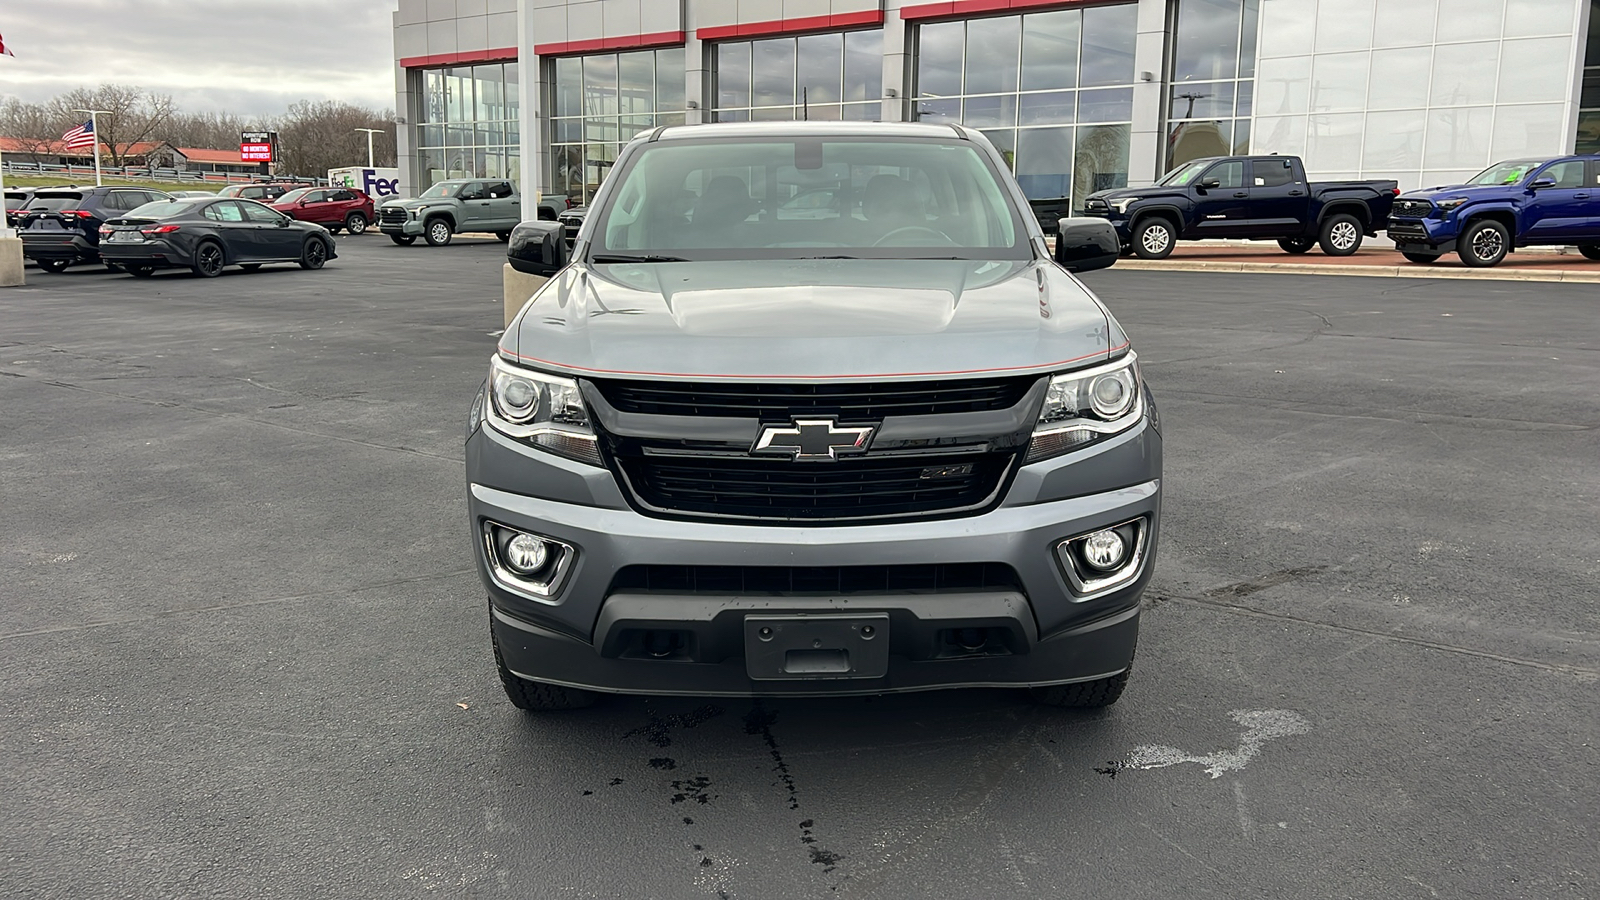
1170 265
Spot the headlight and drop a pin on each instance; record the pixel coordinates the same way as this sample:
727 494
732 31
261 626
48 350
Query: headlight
1082 407
1448 204
545 410
1121 206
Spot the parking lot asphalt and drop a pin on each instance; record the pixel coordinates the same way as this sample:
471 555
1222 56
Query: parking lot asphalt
244 653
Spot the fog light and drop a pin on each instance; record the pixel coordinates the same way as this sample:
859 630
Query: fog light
526 554
1104 550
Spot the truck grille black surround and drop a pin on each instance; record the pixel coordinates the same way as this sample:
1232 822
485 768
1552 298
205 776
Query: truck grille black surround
777 402
925 577
392 215
1412 209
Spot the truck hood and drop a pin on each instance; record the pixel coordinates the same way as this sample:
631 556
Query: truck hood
1470 191
812 319
1137 193
415 203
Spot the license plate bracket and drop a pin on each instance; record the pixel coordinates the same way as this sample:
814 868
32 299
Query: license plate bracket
818 647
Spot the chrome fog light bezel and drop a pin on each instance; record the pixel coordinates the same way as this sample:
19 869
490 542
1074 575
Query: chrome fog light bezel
1086 582
542 585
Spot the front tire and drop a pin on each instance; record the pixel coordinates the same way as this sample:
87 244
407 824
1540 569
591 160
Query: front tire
1085 694
355 223
1485 243
1589 251
208 260
438 232
537 696
313 255
404 240
1341 235
1421 259
1154 239
1297 246
53 266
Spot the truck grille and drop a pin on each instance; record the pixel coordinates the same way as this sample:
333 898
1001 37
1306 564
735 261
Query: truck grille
901 579
780 401
1407 230
392 215
749 488
1412 209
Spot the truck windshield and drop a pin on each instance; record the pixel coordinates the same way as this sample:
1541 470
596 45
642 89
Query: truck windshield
441 190
802 197
1183 175
1507 172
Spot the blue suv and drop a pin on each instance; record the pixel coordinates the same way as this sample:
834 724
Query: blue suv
1518 203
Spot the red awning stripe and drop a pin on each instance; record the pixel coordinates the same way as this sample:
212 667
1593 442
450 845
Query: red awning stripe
452 59
979 7
791 26
600 45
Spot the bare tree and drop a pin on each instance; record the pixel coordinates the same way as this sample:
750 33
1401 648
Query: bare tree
33 126
216 131
133 115
316 137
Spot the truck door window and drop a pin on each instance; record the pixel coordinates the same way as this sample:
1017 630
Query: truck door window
1229 175
1566 174
1272 172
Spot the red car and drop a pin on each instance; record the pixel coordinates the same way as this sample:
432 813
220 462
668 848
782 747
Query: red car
331 207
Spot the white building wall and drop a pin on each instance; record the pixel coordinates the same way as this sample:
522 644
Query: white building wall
1426 91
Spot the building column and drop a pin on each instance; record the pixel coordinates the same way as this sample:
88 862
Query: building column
1147 150
896 64
533 118
697 80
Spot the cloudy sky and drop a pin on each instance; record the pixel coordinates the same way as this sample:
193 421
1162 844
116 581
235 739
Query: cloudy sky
243 56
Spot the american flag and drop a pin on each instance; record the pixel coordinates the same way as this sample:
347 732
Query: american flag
80 138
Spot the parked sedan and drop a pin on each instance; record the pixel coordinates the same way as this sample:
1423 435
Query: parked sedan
332 208
208 234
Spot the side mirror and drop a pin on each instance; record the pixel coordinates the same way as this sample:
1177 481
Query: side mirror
1085 244
537 248
1211 184
1543 183
284 222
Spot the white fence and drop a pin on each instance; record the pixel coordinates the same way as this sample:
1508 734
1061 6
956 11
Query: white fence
144 173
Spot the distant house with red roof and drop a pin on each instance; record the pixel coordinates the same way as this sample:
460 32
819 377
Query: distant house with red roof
144 154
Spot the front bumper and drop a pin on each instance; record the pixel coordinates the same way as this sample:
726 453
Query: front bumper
1422 235
410 225
587 633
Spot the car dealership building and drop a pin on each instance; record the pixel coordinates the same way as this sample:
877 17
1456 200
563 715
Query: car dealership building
1081 96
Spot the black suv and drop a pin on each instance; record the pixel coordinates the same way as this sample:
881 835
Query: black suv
61 226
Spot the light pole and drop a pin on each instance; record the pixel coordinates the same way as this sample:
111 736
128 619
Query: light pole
370 132
94 126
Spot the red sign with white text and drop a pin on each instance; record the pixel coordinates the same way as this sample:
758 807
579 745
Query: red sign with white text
255 152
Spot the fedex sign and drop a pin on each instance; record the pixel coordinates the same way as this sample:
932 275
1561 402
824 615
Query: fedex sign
370 181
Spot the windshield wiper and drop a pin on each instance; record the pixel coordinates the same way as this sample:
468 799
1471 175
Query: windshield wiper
623 258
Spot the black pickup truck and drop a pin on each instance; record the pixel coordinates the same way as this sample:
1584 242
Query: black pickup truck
1251 197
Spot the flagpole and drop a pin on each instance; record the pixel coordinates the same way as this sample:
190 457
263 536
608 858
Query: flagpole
94 126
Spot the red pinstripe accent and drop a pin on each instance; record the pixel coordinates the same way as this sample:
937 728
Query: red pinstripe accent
451 59
791 26
1040 367
979 7
624 42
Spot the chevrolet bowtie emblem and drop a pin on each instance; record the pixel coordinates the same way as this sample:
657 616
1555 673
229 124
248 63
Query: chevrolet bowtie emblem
813 440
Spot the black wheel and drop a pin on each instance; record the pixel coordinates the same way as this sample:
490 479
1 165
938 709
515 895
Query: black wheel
404 240
1341 235
141 271
1297 246
1589 251
250 267
208 260
53 265
504 236
314 254
1083 695
355 223
437 232
1485 243
537 695
1421 259
1153 239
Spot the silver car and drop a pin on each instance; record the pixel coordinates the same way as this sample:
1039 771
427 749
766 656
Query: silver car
880 440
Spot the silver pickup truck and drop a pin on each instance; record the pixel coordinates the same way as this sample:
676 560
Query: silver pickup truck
451 207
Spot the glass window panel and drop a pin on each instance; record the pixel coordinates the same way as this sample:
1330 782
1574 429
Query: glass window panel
1339 82
1283 135
1247 39
773 114
491 135
600 85
676 118
1589 132
514 166
863 65
1202 100
1528 131
1288 27
939 110
772 72
567 163
822 112
939 58
1458 138
433 166
1246 96
821 61
992 54
1241 137
1283 86
1055 108
1470 20
598 159
1044 162
1050 49
1591 89
491 93
1400 78
513 91
636 89
1344 25
1592 50
458 94
861 112
1394 141
433 95
566 130
1464 74
1099 161
457 136
603 128
1408 24
569 86
1525 18
669 79
733 75
1004 140
988 112
432 136
1108 38
1534 70
1105 106
1197 140
1207 40
632 125
1333 142
733 115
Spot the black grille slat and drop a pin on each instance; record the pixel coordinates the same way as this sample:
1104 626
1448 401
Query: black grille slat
778 401
1412 208
934 577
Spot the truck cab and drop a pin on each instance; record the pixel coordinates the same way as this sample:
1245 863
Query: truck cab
1511 204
